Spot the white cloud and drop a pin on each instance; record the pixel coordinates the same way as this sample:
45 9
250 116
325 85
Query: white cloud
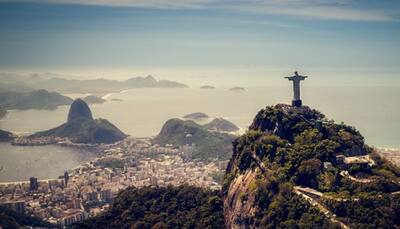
321 9
162 4
350 10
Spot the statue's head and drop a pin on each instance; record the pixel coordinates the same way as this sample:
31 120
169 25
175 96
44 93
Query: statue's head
295 73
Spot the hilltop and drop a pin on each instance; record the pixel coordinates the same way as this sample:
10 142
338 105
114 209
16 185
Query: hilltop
208 145
79 110
295 167
221 125
82 128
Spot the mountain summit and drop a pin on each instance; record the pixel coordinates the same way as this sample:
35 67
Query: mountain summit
79 109
296 169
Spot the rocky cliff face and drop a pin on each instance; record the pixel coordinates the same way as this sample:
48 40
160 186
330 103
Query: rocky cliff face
284 173
79 110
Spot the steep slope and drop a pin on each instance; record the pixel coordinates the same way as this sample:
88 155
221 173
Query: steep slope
208 145
82 128
287 171
79 110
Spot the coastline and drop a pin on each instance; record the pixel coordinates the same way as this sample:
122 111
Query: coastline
108 95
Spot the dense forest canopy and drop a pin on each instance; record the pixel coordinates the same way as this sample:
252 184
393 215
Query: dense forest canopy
170 207
288 147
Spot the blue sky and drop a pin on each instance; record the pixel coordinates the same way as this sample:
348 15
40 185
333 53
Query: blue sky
202 38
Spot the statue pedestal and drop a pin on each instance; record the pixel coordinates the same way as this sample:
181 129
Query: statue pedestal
297 103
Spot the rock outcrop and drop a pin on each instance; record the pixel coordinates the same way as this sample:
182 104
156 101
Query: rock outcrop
286 172
82 128
79 110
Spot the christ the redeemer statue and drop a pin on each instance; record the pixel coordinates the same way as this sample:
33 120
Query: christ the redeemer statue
296 88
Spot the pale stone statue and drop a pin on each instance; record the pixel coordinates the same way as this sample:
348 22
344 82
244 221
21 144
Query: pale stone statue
296 88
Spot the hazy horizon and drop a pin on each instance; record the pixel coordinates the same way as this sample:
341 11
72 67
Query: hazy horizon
211 41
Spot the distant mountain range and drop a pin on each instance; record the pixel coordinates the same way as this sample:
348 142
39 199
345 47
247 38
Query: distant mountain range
237 89
207 87
54 82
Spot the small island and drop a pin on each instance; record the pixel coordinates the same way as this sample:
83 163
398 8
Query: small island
207 87
196 116
92 99
237 89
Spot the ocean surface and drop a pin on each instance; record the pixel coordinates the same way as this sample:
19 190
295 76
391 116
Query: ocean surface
19 163
373 110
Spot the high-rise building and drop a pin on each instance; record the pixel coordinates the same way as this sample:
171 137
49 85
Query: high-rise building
33 184
106 195
66 178
18 206
189 139
153 181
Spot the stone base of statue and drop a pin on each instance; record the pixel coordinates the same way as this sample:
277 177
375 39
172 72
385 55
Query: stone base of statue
297 103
